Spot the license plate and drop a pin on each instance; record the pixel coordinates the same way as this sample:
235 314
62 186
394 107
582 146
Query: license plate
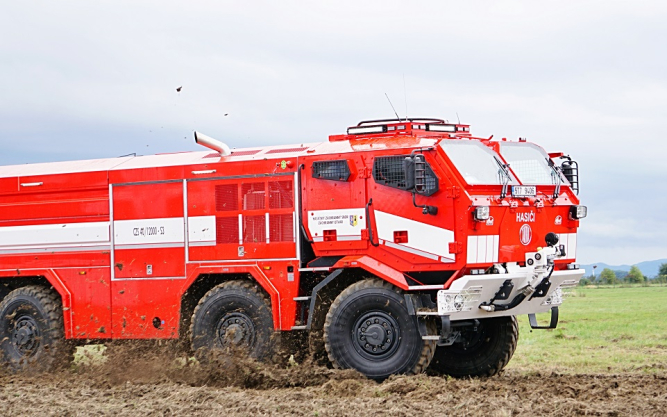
524 191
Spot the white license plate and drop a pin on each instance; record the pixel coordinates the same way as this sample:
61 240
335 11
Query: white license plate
524 191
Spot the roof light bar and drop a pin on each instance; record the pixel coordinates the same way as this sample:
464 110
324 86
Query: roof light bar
441 128
366 129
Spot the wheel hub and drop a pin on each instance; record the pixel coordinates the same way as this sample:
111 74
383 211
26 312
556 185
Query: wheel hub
26 335
377 334
236 329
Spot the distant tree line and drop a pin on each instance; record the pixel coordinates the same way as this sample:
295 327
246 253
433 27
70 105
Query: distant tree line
610 277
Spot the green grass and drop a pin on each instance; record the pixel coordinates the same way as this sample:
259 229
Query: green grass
605 330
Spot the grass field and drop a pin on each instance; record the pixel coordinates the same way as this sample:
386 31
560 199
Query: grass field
605 329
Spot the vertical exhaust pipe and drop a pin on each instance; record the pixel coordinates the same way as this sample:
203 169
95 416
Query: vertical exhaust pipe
211 143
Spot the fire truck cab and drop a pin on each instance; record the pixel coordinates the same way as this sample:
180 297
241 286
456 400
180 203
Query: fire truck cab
400 245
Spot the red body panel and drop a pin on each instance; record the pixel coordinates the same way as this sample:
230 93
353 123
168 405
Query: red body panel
124 240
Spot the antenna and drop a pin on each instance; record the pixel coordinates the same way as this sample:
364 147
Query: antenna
405 96
457 117
392 107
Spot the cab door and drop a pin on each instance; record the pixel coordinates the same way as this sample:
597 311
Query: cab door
407 222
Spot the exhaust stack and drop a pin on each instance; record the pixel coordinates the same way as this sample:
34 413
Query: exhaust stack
211 143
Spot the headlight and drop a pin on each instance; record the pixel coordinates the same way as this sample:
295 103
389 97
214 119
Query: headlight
578 212
481 213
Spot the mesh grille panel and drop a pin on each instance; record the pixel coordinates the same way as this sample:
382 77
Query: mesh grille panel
388 170
253 196
331 170
281 228
226 197
227 230
281 195
254 229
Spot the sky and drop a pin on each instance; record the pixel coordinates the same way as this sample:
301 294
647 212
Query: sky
82 79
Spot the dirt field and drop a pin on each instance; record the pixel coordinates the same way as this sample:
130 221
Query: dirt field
136 385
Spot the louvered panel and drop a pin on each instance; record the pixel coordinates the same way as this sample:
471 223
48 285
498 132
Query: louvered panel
253 196
226 197
281 195
227 229
254 229
281 227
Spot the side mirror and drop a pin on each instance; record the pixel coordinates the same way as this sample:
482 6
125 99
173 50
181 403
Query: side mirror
571 171
409 171
414 169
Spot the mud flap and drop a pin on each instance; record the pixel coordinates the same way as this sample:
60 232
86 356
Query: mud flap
552 325
415 303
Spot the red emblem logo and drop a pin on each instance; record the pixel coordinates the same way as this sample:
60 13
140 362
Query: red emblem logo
525 234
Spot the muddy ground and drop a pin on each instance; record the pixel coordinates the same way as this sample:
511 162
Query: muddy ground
148 385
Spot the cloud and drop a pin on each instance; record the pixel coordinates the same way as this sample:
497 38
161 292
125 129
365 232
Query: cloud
90 80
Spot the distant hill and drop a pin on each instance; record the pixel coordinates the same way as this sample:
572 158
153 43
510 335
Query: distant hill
648 268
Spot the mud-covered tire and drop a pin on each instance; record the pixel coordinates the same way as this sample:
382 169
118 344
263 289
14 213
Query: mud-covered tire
32 332
482 353
368 328
235 314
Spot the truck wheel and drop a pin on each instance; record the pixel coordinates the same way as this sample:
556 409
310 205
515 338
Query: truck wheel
484 352
368 328
32 333
234 314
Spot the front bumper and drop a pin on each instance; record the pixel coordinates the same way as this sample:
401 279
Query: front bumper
462 300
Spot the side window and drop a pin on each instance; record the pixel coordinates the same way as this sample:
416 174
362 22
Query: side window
389 171
331 170
392 172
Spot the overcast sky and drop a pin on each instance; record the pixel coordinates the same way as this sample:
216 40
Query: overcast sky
95 79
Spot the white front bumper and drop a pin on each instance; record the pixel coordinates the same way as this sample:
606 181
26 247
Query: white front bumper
461 301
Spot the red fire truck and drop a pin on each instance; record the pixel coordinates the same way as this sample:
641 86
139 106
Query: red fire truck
401 245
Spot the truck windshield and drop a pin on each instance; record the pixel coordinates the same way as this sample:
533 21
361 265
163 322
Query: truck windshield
530 163
477 163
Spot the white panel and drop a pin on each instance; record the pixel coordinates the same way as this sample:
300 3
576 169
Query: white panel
201 229
472 250
562 240
54 234
240 229
489 249
481 248
572 246
267 228
346 222
149 231
421 236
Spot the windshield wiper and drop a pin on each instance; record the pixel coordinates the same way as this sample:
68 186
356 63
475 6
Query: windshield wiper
506 176
555 174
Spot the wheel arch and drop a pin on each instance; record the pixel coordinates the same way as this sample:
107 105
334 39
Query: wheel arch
48 279
204 282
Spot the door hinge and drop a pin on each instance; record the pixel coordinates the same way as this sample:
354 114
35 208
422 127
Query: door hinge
452 192
455 247
365 172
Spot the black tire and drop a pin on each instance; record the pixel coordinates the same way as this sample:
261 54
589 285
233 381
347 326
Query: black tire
368 328
482 353
32 333
234 314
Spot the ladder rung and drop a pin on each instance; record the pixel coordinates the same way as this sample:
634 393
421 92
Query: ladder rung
304 298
